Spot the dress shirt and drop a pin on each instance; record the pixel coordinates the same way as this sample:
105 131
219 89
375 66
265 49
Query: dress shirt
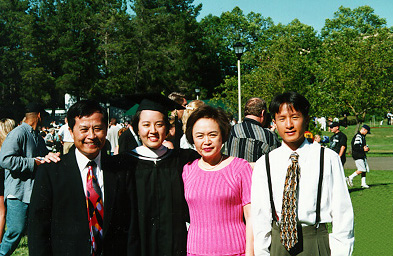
335 207
113 137
82 161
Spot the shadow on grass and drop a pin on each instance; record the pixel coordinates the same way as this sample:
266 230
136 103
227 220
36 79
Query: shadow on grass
371 185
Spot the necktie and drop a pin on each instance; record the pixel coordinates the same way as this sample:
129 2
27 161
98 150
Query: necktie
288 224
95 210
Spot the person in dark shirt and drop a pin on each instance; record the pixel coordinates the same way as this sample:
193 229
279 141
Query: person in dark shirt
338 142
359 150
180 99
249 139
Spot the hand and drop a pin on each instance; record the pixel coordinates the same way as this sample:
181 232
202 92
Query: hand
39 160
366 148
52 157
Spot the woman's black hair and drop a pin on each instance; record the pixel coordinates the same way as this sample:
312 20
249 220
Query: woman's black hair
207 111
293 100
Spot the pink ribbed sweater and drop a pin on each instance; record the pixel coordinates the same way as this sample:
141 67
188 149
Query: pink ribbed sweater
216 200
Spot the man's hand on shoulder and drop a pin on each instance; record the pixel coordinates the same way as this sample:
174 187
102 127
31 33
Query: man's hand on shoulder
51 157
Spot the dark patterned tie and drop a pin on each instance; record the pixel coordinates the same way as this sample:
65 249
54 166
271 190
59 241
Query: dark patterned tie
95 210
288 223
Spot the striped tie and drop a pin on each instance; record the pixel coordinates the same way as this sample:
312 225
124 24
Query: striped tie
288 223
95 210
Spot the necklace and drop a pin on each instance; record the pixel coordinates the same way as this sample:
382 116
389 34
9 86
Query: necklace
213 166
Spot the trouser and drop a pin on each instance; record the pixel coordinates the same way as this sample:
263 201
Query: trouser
16 221
312 242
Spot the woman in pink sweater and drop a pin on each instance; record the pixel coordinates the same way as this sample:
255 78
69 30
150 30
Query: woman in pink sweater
217 190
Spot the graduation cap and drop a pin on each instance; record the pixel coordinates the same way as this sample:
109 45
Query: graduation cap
147 101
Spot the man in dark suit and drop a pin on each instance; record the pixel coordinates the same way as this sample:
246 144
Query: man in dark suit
66 215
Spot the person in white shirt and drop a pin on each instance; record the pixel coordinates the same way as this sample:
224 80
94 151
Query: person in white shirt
65 137
314 202
113 136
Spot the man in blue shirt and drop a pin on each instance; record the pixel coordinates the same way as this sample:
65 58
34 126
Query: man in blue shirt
22 151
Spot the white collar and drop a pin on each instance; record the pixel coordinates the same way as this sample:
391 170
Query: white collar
82 160
302 150
151 153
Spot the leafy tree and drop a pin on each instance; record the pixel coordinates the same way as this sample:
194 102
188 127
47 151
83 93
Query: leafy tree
355 72
114 32
166 44
351 23
13 20
286 64
221 33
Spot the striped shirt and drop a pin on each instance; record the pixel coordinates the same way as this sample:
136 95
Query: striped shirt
249 140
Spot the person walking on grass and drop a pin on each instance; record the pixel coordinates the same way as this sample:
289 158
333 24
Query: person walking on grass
359 150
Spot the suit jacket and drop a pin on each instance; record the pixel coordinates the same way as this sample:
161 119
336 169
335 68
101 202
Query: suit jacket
58 221
127 142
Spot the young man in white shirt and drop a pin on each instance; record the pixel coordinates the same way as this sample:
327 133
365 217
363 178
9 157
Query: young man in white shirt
296 225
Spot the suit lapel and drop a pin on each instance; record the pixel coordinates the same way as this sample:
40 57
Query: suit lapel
110 189
74 175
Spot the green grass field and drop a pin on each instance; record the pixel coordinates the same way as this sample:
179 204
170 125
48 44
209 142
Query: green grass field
373 207
373 210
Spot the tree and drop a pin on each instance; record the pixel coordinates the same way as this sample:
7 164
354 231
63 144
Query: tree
219 36
285 64
166 43
114 32
13 26
355 72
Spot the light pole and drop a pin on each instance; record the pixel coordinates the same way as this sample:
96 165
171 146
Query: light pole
197 91
108 110
239 48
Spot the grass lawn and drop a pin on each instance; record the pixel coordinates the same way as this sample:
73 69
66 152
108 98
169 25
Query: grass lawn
22 248
373 210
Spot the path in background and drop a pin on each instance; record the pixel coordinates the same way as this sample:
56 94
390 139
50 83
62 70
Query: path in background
375 163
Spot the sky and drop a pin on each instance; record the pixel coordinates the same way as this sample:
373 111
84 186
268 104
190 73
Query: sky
310 12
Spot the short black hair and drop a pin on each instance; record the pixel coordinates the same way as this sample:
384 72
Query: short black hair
292 99
85 108
206 111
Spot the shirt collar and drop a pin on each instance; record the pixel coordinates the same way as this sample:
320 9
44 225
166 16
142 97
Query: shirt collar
82 160
28 127
302 150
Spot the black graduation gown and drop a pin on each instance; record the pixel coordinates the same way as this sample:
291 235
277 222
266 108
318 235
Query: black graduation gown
162 208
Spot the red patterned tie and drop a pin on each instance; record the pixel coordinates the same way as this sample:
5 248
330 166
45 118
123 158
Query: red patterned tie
288 223
95 210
